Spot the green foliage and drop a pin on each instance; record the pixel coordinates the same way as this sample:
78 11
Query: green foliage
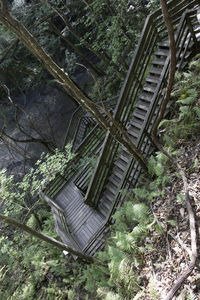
186 122
32 222
29 271
46 168
33 266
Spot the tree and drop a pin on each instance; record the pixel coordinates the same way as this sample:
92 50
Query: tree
113 126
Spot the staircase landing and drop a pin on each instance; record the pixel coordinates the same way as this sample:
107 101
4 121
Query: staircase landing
82 220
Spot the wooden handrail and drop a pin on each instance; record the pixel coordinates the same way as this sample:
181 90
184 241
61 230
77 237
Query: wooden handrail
79 112
77 115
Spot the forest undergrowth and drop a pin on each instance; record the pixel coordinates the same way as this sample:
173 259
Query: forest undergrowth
149 244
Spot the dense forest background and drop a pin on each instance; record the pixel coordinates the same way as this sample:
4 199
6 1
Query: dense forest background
93 42
97 36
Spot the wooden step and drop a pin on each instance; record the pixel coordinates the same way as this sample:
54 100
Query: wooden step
159 61
162 52
121 166
133 130
141 111
143 106
114 179
121 161
110 196
164 44
155 70
124 159
133 136
96 244
143 103
102 210
149 87
136 120
118 172
105 203
138 117
111 187
152 79
125 156
146 96
136 125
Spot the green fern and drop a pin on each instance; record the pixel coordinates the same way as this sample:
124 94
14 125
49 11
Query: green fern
196 109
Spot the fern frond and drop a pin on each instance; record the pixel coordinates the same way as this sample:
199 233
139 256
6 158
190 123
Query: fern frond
140 212
187 100
197 111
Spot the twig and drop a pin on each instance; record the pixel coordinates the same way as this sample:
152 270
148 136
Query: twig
194 254
169 248
180 242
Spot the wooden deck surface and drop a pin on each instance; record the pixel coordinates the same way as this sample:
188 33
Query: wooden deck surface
83 220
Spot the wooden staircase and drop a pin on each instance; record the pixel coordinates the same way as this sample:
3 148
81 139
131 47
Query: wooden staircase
82 123
138 105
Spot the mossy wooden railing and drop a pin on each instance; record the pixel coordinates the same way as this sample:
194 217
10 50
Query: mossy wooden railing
154 31
90 144
74 125
185 36
77 115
